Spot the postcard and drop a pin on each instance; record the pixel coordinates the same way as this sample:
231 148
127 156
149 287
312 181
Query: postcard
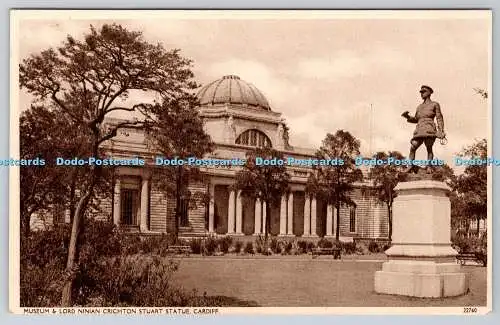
204 162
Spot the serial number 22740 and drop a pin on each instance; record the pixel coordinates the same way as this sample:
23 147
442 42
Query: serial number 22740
470 310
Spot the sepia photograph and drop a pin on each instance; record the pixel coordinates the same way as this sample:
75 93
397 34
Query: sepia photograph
191 162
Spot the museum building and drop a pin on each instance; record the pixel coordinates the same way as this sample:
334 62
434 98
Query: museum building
238 118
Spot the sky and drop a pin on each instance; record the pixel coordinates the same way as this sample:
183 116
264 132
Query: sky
323 71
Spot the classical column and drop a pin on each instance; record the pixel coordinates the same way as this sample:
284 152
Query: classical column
334 217
239 214
290 214
143 225
117 203
329 220
211 209
307 216
264 218
313 216
258 217
230 213
283 216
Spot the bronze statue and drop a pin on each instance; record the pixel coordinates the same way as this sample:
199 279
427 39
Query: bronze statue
425 131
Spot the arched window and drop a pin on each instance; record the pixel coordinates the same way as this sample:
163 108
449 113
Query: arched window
254 138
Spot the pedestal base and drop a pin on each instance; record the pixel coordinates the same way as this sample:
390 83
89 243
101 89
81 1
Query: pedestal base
435 252
421 279
419 259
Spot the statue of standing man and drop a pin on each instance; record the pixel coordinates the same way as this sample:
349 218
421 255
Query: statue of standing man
425 131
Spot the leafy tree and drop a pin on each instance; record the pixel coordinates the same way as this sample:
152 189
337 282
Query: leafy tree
445 174
483 93
385 178
471 186
47 135
267 182
335 183
41 186
86 80
175 129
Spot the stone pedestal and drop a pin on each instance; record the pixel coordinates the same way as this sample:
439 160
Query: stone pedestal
421 259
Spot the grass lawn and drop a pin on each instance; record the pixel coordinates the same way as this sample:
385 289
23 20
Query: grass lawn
301 281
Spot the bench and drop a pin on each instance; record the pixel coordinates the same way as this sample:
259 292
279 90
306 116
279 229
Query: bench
474 256
177 249
335 252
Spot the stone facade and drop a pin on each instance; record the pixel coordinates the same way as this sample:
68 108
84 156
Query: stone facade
237 117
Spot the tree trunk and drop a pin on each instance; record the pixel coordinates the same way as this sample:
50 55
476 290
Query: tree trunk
72 249
337 228
81 207
72 196
477 222
268 220
389 214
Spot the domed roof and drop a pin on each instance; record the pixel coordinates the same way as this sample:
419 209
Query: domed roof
232 90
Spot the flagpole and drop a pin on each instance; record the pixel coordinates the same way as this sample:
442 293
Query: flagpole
371 129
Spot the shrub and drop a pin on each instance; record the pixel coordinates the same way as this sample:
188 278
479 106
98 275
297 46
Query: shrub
156 244
302 246
43 260
238 245
348 247
386 246
295 249
470 244
143 281
260 245
108 274
484 243
324 243
196 245
224 243
41 285
44 247
362 248
249 248
373 247
275 246
287 248
131 244
310 246
210 245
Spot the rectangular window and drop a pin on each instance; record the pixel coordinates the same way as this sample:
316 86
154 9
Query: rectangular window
184 211
352 219
129 205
